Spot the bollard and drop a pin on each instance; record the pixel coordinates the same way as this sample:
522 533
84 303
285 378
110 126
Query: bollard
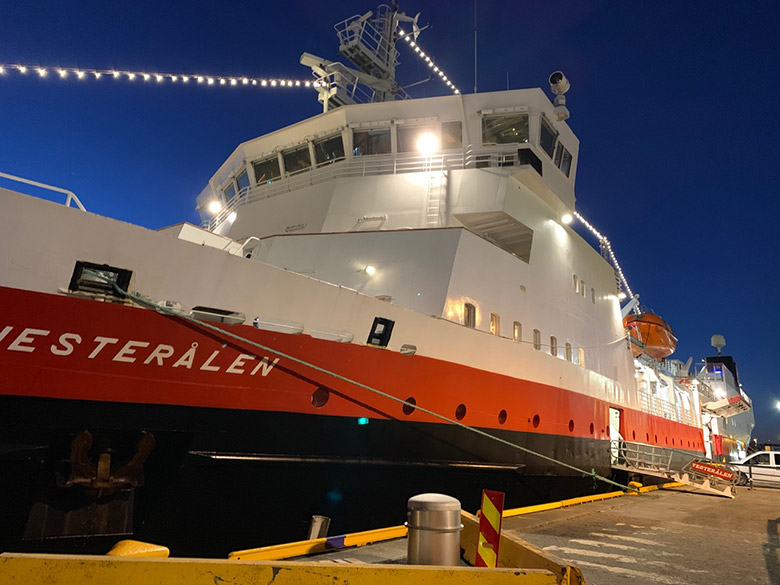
434 530
318 527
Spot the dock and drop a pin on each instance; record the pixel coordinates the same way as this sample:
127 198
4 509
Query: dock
667 536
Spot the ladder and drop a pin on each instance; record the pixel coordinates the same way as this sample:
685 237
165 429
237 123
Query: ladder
673 465
437 190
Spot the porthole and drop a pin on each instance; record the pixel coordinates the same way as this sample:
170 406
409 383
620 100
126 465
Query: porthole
536 421
320 397
656 438
591 428
571 426
502 417
667 442
460 412
409 408
633 435
647 437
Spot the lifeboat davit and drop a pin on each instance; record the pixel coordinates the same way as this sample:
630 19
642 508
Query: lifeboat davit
650 335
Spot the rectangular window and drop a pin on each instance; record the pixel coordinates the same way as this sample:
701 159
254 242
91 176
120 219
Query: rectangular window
566 162
547 136
537 339
297 159
517 332
267 170
568 352
469 315
408 135
553 345
582 288
505 129
581 356
593 295
328 150
495 324
242 181
230 191
558 154
451 135
375 141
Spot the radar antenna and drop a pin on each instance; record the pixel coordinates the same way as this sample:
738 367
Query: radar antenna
368 42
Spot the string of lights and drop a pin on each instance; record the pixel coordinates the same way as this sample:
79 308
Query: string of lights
608 247
421 54
208 80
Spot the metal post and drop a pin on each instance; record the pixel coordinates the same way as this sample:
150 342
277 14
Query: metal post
434 530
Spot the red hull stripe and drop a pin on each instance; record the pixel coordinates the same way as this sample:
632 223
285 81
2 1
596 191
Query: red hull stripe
54 346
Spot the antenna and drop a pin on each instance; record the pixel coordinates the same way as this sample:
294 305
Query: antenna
475 46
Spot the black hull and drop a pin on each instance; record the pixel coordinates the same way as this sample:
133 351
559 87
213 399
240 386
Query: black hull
222 480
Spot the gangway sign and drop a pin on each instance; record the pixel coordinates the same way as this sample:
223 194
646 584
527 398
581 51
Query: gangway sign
713 470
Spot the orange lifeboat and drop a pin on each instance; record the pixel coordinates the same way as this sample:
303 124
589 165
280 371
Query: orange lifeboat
650 335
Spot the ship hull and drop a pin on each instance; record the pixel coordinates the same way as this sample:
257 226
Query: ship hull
247 436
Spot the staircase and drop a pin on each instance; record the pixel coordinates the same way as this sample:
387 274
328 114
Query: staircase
674 465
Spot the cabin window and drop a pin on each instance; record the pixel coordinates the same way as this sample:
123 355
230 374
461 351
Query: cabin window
553 345
593 296
517 331
537 339
297 159
568 352
374 141
451 135
581 356
576 282
328 150
547 136
582 288
267 170
230 191
495 324
469 315
505 129
408 135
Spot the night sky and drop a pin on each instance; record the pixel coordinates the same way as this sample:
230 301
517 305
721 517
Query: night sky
675 105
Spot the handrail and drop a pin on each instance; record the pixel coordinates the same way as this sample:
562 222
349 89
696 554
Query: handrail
71 195
492 156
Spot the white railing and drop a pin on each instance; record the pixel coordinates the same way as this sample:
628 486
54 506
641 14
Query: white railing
664 408
71 196
499 155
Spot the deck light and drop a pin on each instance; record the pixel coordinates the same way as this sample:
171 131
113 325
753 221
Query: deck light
370 270
427 143
232 217
62 72
98 74
146 76
777 405
22 69
80 74
215 206
621 296
159 78
41 71
567 218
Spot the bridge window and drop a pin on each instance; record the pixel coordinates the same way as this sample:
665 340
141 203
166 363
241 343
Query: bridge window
230 191
451 135
547 137
537 339
408 135
505 129
267 169
568 352
328 150
297 159
242 181
374 141
517 331
554 345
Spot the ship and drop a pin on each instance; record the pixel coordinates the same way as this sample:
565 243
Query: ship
391 293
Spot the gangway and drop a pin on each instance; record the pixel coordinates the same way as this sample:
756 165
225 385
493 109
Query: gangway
673 465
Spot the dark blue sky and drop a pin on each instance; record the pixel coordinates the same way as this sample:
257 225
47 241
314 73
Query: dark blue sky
675 105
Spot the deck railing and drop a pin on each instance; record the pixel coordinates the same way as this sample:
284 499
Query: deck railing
71 196
499 155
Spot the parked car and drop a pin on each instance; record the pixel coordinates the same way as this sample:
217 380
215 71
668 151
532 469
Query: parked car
762 468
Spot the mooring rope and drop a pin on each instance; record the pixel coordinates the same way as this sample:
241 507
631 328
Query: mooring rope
164 310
